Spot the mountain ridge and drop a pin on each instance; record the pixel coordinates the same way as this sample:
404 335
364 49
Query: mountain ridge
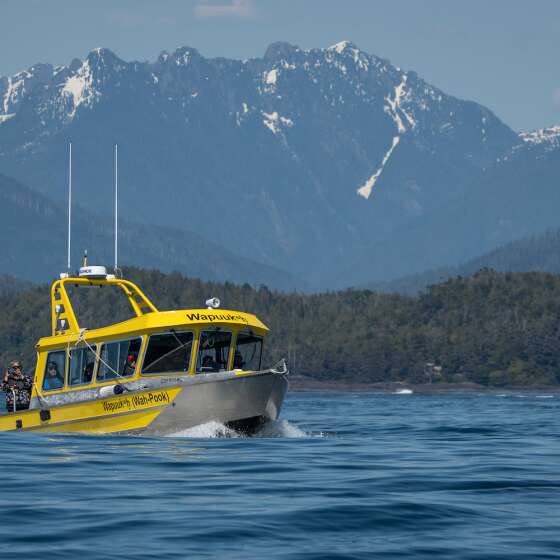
537 253
319 161
34 233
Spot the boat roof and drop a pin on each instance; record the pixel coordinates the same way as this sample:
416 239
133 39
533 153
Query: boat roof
182 319
65 327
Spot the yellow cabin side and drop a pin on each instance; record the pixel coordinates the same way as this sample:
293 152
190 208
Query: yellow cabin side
68 341
195 321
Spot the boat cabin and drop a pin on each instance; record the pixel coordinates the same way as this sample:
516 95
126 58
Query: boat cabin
151 343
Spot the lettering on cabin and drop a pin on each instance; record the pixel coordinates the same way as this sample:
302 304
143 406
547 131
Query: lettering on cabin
211 317
135 402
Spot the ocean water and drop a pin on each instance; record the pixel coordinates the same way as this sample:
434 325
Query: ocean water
342 476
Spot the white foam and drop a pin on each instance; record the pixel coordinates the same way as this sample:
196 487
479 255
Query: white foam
403 392
211 430
280 429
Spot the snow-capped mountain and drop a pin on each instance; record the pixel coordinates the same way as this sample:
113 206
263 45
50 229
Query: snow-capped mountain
318 161
545 138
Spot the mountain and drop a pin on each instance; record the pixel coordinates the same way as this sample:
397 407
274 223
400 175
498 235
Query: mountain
33 240
539 253
320 162
514 197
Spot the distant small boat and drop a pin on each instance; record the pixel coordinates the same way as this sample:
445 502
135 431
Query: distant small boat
403 392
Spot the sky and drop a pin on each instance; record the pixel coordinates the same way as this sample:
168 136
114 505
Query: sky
500 53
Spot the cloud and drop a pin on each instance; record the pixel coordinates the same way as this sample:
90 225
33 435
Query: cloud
235 9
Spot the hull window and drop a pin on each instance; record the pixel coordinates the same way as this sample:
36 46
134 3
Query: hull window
213 351
81 366
118 359
168 353
248 352
54 371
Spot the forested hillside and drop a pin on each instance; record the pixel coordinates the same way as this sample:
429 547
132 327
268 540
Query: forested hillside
34 231
534 253
493 328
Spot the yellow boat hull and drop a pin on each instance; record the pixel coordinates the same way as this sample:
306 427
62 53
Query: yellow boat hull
121 413
245 400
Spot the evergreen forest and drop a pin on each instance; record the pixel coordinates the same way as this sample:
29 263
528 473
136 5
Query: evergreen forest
494 329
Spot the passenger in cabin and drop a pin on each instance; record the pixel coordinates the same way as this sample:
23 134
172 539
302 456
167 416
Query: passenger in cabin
53 380
238 362
88 372
208 364
17 387
130 366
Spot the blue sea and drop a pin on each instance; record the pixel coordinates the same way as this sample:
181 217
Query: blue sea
342 476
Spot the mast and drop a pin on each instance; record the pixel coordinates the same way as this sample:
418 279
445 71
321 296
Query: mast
69 203
116 208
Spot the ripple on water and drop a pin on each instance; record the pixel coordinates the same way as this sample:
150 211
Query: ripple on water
448 476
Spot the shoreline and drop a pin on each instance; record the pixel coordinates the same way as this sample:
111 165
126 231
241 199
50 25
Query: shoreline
300 383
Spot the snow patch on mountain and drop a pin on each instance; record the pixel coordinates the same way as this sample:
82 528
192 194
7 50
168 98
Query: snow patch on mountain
4 118
274 122
366 189
545 136
15 91
241 115
80 88
349 49
395 109
339 47
271 77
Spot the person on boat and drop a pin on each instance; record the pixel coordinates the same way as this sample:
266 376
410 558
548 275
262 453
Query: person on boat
17 387
130 365
88 372
208 364
53 379
238 361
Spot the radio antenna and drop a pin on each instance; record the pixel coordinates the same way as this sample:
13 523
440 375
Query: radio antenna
69 203
116 208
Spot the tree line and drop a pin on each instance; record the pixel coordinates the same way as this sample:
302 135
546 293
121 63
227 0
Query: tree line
495 329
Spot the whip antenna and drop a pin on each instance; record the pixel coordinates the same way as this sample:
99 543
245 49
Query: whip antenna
69 202
116 208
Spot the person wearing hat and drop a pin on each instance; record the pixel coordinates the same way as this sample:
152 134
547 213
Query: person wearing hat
53 379
17 387
130 365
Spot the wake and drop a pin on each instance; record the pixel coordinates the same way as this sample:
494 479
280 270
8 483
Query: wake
210 430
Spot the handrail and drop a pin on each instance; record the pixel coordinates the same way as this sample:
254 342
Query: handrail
63 317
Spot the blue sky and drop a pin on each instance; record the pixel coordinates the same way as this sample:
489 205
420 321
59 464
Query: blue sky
501 53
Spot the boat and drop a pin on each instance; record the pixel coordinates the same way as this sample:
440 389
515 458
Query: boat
156 373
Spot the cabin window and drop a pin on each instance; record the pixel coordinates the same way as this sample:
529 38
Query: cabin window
54 371
81 365
118 359
213 351
167 353
248 352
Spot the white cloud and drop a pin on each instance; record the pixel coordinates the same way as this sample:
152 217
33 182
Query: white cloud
237 9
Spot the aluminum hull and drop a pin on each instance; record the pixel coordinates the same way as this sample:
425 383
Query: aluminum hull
226 399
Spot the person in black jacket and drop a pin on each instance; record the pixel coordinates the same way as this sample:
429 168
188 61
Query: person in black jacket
17 387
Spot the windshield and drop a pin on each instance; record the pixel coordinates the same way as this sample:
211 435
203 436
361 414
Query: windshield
248 352
213 351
